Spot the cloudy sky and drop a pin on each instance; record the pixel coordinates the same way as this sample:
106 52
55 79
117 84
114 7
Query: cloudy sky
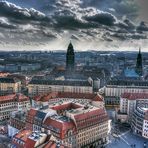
90 24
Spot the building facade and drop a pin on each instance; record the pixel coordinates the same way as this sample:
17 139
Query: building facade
134 110
10 103
9 85
74 120
77 124
129 101
139 122
36 87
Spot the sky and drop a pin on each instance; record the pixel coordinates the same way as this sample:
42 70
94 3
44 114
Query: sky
90 24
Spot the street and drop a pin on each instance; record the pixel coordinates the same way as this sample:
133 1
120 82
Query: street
122 136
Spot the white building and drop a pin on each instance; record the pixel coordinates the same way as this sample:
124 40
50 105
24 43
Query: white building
145 125
36 87
134 110
139 122
115 88
128 102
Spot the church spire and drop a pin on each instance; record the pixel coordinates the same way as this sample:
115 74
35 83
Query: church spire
139 50
70 57
139 68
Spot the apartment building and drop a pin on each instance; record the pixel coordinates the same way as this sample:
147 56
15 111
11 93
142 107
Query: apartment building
13 102
73 122
116 87
48 98
145 125
134 110
9 85
36 87
128 103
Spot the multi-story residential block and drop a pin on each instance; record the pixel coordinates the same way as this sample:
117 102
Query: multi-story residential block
128 102
16 122
48 98
37 87
9 85
29 139
115 88
75 120
30 119
77 117
140 122
134 110
13 102
78 124
145 125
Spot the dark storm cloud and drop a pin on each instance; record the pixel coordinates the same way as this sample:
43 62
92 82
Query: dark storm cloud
105 20
4 23
126 26
127 36
102 18
120 7
16 12
72 22
67 14
142 27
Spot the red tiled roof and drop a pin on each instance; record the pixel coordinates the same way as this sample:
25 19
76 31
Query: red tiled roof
58 124
7 98
134 96
14 97
30 143
32 112
82 116
98 98
4 74
95 117
62 126
21 97
76 95
23 135
48 96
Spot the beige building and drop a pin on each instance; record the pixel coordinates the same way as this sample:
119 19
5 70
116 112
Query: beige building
36 87
9 85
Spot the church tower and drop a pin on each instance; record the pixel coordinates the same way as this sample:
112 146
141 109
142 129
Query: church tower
70 58
139 68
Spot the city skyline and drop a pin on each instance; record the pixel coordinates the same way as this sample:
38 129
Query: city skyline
120 25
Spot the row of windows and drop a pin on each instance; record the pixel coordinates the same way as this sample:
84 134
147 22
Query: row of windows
18 141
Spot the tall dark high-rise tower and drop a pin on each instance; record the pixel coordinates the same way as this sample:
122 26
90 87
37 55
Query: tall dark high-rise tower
70 58
139 68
